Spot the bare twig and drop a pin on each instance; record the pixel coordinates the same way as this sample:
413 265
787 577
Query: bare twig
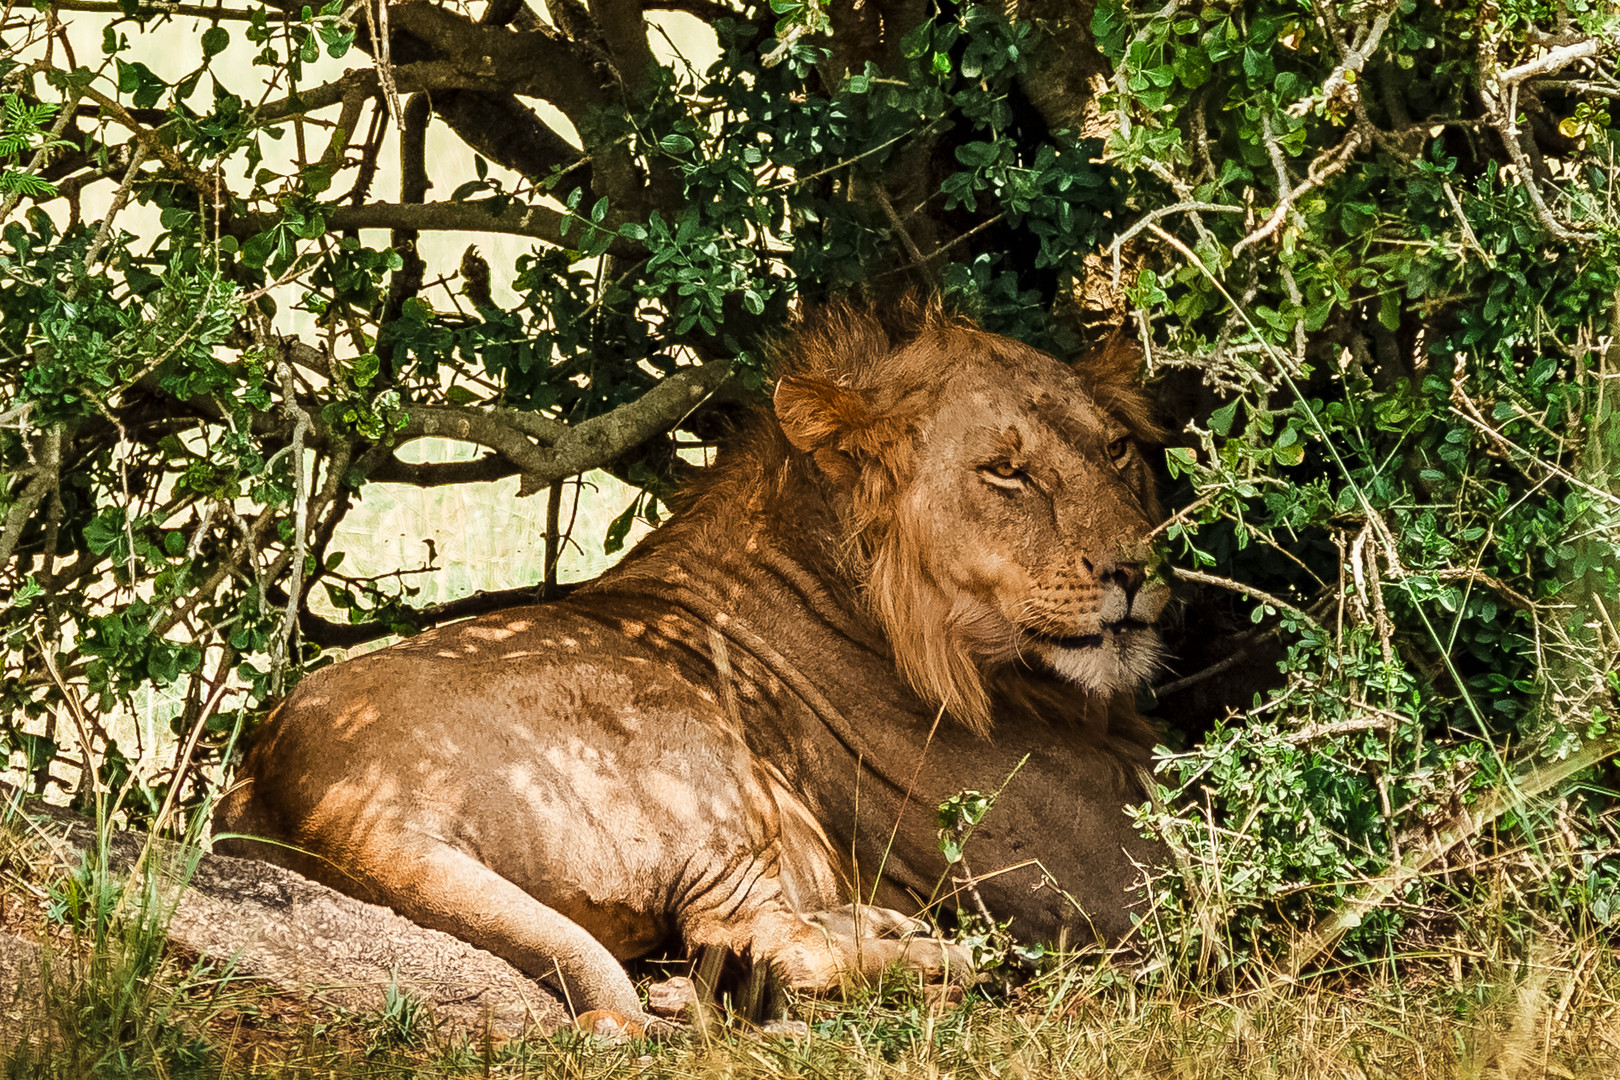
1340 84
295 463
1176 686
1328 164
121 197
377 24
900 230
1469 239
188 174
1551 61
1499 90
1463 406
1246 590
1164 211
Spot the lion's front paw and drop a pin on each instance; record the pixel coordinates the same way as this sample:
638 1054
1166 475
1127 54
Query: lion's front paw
940 959
868 921
830 949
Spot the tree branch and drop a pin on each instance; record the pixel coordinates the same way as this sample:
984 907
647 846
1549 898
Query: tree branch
515 219
625 31
148 137
160 7
413 186
1555 60
572 449
707 10
1063 66
530 62
1499 90
490 467
336 635
540 449
437 49
44 480
1246 590
507 132
1328 164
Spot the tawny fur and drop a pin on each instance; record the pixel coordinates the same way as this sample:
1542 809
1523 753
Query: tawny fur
748 723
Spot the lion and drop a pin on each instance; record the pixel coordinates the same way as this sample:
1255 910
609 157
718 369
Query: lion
925 569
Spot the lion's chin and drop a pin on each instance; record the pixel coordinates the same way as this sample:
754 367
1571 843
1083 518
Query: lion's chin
1106 663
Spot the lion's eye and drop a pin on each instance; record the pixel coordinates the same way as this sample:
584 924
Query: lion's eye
1119 449
1004 474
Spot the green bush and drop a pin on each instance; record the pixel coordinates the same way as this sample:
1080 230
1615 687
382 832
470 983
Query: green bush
1405 294
1369 250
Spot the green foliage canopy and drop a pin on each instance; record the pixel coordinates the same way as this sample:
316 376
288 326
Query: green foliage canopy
1369 250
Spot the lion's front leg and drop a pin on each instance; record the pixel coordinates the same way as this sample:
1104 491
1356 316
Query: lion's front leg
827 951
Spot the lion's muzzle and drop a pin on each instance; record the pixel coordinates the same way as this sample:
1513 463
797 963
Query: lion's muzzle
1116 646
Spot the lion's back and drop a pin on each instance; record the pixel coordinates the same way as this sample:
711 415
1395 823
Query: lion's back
522 719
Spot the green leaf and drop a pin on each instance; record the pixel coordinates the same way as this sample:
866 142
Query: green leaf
675 144
1220 421
1389 311
619 528
1109 25
1191 66
215 40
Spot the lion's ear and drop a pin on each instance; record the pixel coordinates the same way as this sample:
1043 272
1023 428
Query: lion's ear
1112 373
819 415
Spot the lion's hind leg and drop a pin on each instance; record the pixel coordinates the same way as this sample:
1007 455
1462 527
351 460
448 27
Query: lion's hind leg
448 890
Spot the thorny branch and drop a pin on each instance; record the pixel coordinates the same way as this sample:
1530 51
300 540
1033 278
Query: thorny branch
1499 90
1327 165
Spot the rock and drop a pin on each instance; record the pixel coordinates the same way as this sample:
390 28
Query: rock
21 995
672 997
304 938
19 958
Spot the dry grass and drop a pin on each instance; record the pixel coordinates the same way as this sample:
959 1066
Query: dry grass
1551 1019
1453 1011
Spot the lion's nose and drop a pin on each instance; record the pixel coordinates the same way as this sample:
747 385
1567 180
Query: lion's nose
1127 575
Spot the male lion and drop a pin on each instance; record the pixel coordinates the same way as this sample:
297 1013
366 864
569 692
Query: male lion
926 570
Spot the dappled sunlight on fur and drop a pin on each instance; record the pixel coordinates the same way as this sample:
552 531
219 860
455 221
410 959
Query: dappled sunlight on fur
922 572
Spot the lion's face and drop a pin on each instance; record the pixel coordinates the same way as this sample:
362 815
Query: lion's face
1033 505
1001 502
